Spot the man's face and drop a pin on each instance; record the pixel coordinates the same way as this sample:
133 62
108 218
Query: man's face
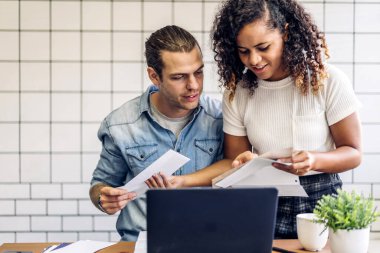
181 83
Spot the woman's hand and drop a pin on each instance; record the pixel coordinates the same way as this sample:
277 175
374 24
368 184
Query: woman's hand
243 158
159 180
301 162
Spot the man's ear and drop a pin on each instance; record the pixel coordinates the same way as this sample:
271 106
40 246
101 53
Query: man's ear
153 76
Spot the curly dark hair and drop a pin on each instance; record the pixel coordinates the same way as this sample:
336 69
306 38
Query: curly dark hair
302 54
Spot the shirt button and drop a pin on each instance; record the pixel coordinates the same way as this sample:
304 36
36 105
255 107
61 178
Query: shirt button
211 149
141 156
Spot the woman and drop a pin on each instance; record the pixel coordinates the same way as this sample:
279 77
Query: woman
279 93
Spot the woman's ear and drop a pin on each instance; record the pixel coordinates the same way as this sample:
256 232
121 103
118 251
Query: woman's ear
153 76
286 33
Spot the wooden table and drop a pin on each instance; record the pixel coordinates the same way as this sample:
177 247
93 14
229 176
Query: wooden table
128 247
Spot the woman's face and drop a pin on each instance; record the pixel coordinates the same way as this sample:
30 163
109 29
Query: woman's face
260 50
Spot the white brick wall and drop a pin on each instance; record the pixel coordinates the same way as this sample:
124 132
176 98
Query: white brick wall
376 225
97 236
30 237
46 223
65 64
30 207
367 172
46 191
7 207
364 189
87 208
77 223
7 237
14 191
14 223
62 207
104 223
370 142
367 78
376 191
77 191
370 112
62 236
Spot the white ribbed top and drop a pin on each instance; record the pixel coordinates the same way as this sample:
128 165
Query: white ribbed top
278 116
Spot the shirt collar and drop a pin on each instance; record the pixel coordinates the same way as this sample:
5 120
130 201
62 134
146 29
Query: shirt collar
144 101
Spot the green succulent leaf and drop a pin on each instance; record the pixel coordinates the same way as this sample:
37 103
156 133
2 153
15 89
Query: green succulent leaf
346 211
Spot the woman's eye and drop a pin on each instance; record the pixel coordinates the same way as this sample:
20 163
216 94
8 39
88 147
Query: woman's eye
263 48
243 51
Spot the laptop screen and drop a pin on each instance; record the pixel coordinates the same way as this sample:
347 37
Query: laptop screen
210 220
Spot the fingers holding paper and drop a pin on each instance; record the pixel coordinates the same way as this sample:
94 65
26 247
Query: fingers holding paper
300 163
159 180
243 158
113 200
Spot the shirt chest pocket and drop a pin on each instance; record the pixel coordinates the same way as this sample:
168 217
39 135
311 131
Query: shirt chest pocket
206 152
311 132
140 157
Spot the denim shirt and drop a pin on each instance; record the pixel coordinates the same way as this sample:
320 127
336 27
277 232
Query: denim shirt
132 140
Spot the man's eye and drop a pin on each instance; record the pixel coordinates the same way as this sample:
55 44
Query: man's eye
178 77
199 72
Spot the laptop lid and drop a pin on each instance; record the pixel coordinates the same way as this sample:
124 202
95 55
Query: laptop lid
206 220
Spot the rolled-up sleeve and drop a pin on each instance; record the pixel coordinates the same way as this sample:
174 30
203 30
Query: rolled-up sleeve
111 168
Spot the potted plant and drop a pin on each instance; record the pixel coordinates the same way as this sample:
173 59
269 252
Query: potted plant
348 217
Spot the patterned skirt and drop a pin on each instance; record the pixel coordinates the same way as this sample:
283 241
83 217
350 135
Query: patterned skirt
288 207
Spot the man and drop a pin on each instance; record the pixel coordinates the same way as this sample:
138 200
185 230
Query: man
172 114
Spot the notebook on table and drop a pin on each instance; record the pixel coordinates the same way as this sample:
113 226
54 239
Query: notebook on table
206 220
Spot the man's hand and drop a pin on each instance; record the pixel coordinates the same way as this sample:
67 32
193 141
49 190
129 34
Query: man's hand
113 200
243 158
159 180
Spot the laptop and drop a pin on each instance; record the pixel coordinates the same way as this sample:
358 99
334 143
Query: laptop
207 220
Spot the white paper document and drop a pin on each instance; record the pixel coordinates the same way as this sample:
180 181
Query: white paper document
50 248
259 172
282 153
168 163
142 243
84 246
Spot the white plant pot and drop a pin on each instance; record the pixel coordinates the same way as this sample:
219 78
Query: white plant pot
349 241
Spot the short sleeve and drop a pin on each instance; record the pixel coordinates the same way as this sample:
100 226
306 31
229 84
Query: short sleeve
341 100
233 121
